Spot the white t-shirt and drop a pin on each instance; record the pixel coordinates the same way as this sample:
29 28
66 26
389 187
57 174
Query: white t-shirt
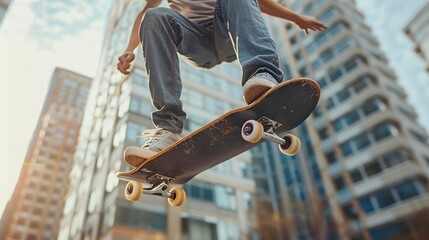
194 10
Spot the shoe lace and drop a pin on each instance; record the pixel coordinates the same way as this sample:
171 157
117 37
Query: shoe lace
153 135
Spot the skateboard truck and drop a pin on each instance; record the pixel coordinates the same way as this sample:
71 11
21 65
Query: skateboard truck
159 186
253 131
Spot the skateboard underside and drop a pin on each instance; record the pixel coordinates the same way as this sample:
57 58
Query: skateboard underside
287 105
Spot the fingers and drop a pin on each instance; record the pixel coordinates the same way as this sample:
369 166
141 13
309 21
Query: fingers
125 63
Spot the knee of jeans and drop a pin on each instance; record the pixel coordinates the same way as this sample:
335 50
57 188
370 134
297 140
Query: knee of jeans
154 17
158 14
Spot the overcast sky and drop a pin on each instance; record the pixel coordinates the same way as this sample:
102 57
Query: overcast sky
36 36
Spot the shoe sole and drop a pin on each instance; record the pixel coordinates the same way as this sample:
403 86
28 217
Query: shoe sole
257 89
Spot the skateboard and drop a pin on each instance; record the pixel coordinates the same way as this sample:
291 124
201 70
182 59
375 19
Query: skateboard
277 111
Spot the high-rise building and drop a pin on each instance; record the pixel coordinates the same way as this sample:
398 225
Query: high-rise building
219 200
418 31
362 172
34 211
4 4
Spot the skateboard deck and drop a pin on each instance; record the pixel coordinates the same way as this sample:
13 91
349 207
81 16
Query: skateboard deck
280 109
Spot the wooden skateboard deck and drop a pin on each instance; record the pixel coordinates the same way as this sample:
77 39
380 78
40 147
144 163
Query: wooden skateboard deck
288 104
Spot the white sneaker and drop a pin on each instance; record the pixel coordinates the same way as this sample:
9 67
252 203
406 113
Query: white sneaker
256 86
158 140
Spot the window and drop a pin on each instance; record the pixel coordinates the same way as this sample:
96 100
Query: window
327 55
335 74
343 95
352 117
362 141
366 204
350 65
330 103
323 133
338 125
356 175
346 149
322 82
349 211
339 183
372 168
407 190
393 159
331 157
384 198
382 131
369 107
141 219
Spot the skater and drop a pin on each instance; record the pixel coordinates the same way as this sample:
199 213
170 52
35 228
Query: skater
207 33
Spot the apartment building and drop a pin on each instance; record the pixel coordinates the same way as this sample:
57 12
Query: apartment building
35 208
363 169
219 201
418 31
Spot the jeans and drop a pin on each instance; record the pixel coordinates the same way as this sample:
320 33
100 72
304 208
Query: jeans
237 29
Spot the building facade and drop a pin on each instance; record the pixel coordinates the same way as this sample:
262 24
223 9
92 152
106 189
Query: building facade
363 170
219 201
418 31
4 4
33 211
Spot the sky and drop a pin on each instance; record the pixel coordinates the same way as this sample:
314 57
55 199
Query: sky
35 37
38 35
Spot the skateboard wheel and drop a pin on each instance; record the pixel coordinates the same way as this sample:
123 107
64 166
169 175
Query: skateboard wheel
252 131
179 197
291 146
133 191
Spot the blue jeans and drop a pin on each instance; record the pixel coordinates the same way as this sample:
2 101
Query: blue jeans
236 29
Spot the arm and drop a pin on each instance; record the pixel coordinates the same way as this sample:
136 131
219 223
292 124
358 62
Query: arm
274 9
128 56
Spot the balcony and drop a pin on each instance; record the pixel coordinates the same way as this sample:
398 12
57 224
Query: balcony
398 211
387 177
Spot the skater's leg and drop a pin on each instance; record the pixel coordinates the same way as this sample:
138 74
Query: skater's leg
163 33
242 22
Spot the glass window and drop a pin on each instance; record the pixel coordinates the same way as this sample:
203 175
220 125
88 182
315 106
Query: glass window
346 149
359 85
141 219
381 132
407 190
350 65
330 103
323 133
351 117
366 204
339 183
372 168
392 159
328 14
343 95
327 55
338 125
370 107
335 74
362 141
322 82
349 211
384 198
344 45
356 175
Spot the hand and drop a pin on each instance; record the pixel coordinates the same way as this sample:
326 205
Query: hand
306 22
125 62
